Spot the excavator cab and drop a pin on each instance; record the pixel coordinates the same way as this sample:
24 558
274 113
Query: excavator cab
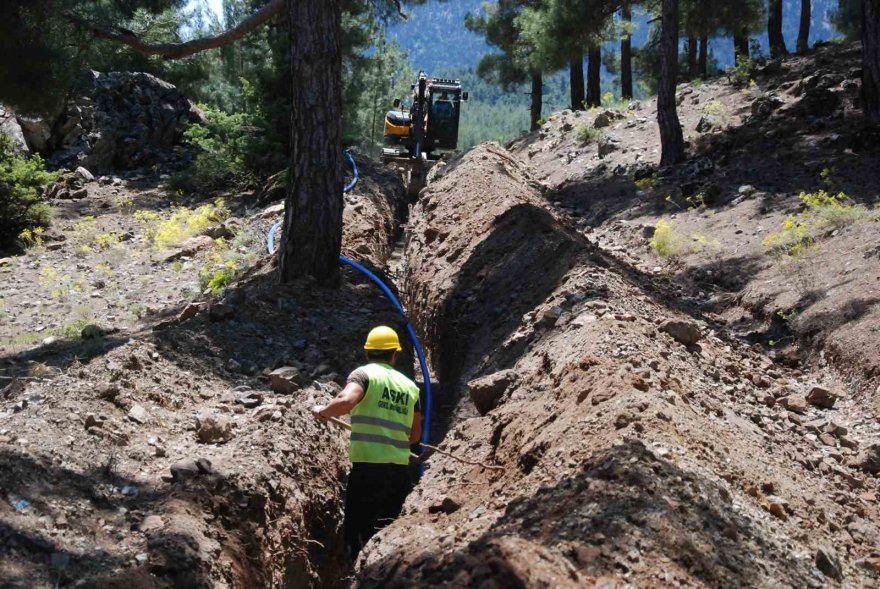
428 125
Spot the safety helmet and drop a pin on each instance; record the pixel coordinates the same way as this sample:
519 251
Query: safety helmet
383 338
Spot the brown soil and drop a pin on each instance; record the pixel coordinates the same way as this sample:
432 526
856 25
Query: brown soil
91 431
632 459
649 433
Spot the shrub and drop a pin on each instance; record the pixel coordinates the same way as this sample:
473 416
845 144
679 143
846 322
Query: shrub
667 242
182 224
22 205
741 73
226 145
821 209
585 134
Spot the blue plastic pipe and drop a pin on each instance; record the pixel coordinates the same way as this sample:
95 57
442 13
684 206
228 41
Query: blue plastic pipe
426 424
270 245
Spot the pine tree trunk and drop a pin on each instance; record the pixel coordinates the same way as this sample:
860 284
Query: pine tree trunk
703 62
871 60
313 209
741 45
594 77
774 29
626 74
692 57
576 81
671 139
537 101
803 42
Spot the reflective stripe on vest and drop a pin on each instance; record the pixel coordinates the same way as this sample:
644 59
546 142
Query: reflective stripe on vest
382 421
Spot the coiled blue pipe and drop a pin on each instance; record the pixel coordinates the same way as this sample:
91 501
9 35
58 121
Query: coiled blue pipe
426 424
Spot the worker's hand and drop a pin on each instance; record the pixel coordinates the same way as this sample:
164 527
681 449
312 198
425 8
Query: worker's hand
316 411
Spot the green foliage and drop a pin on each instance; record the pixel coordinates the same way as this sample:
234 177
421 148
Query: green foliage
584 133
182 224
821 210
742 73
667 242
227 145
23 209
671 244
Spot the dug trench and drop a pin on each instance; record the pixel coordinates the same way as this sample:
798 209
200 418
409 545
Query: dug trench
637 437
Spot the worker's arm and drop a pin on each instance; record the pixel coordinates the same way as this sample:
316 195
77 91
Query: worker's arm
342 404
415 434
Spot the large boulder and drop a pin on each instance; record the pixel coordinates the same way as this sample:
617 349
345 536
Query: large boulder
9 126
121 121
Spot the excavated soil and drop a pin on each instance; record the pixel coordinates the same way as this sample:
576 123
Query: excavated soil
630 458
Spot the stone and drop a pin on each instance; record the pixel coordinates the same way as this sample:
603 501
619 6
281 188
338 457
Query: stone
191 310
869 459
213 430
605 118
794 403
249 399
708 124
120 120
108 392
447 505
84 174
828 563
184 469
92 421
486 391
746 190
286 380
821 397
36 132
138 414
608 145
151 523
684 332
10 127
777 506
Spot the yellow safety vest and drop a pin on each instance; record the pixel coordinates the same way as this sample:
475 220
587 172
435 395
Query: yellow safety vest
382 421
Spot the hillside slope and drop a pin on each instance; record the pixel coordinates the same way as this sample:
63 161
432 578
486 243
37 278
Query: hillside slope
648 438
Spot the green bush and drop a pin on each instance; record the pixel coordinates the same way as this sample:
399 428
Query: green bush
226 145
23 209
586 134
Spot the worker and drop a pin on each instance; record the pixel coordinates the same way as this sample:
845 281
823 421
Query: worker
385 420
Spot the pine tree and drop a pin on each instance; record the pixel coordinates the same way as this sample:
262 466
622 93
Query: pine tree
516 63
803 40
671 138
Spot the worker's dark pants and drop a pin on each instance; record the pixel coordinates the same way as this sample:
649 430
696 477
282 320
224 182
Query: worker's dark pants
373 499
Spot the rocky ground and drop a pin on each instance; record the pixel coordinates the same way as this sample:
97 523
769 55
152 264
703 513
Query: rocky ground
701 418
143 439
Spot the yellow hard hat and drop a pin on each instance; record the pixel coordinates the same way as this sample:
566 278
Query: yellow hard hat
383 338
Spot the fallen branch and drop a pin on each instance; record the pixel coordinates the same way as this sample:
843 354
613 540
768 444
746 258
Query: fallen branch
347 426
181 50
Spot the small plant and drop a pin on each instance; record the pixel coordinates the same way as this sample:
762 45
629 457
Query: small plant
584 134
31 237
696 201
182 224
825 178
645 184
714 108
741 74
215 279
22 204
667 242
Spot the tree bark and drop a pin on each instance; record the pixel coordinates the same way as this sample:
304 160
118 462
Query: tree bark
576 81
741 45
313 210
626 75
594 77
537 103
703 61
692 58
774 29
181 50
671 139
803 42
871 61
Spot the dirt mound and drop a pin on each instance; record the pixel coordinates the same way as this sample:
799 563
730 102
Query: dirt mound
794 128
632 455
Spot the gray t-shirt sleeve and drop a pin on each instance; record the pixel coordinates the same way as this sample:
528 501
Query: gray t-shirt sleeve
360 377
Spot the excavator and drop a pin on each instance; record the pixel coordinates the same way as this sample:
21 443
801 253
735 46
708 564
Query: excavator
416 135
